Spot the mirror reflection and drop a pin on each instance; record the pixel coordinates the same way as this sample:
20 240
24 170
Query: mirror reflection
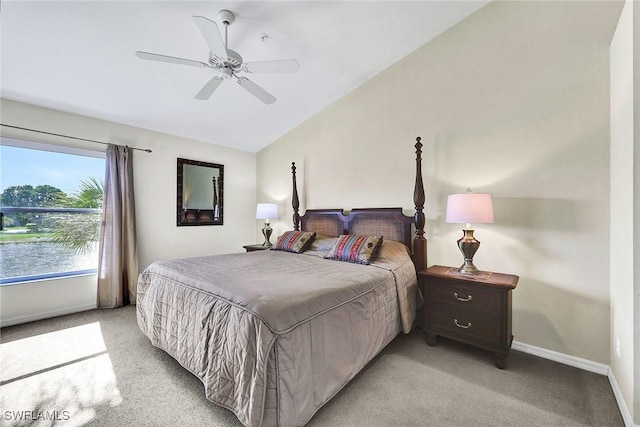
200 191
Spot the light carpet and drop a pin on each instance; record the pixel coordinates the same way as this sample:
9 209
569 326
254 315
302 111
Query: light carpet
96 368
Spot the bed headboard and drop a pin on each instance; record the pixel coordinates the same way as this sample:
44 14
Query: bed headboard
388 222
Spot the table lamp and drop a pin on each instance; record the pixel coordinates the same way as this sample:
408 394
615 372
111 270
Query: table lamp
267 211
468 208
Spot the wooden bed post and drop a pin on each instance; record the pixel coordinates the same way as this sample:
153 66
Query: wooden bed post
295 202
419 241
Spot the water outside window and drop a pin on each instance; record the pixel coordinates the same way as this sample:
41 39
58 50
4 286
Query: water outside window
51 205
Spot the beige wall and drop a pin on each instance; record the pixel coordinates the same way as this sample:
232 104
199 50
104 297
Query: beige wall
513 101
155 192
41 299
623 252
636 212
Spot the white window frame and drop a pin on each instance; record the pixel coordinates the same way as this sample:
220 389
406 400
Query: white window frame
54 148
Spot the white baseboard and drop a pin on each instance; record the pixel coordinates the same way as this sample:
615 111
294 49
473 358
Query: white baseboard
626 415
584 364
45 315
576 362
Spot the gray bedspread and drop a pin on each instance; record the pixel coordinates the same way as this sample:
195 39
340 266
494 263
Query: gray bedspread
274 335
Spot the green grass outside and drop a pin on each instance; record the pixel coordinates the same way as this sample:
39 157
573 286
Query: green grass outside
24 237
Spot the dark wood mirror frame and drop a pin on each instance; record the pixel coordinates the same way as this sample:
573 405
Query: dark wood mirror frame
209 183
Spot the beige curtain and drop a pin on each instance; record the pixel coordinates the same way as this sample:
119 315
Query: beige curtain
118 260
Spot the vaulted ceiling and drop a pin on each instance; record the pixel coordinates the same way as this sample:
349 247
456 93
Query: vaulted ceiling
79 57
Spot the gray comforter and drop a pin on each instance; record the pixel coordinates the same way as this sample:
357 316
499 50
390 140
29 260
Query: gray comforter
274 335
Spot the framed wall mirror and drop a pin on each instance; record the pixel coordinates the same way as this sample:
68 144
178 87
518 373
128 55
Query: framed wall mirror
200 193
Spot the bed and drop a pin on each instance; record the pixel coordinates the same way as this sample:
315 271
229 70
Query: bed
273 335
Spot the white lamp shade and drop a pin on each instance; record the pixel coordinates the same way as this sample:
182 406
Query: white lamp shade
469 208
267 211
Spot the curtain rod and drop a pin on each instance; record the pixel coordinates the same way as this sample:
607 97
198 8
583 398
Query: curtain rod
146 150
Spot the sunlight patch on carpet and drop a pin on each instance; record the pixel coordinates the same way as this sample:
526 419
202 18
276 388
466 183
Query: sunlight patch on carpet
58 378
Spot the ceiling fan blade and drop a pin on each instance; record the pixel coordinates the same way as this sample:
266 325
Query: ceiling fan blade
208 89
278 66
210 32
256 90
171 59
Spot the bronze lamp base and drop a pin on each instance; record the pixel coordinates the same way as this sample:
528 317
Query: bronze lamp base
468 245
266 232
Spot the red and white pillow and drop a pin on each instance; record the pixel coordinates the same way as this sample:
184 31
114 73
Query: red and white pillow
356 248
294 241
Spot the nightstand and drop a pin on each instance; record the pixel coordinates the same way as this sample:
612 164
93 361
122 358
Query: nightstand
256 247
474 309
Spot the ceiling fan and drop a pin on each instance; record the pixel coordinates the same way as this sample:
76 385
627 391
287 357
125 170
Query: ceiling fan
226 62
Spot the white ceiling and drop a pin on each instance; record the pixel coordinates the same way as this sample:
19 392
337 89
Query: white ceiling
78 56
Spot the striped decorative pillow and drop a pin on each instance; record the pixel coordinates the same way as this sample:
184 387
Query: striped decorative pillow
294 241
356 248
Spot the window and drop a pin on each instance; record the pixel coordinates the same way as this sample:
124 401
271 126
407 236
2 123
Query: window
51 209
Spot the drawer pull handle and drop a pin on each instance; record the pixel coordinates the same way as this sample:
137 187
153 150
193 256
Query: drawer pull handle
461 326
467 299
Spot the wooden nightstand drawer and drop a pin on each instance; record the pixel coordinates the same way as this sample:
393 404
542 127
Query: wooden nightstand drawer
475 309
473 298
466 326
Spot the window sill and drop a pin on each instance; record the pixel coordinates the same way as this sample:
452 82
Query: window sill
11 281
